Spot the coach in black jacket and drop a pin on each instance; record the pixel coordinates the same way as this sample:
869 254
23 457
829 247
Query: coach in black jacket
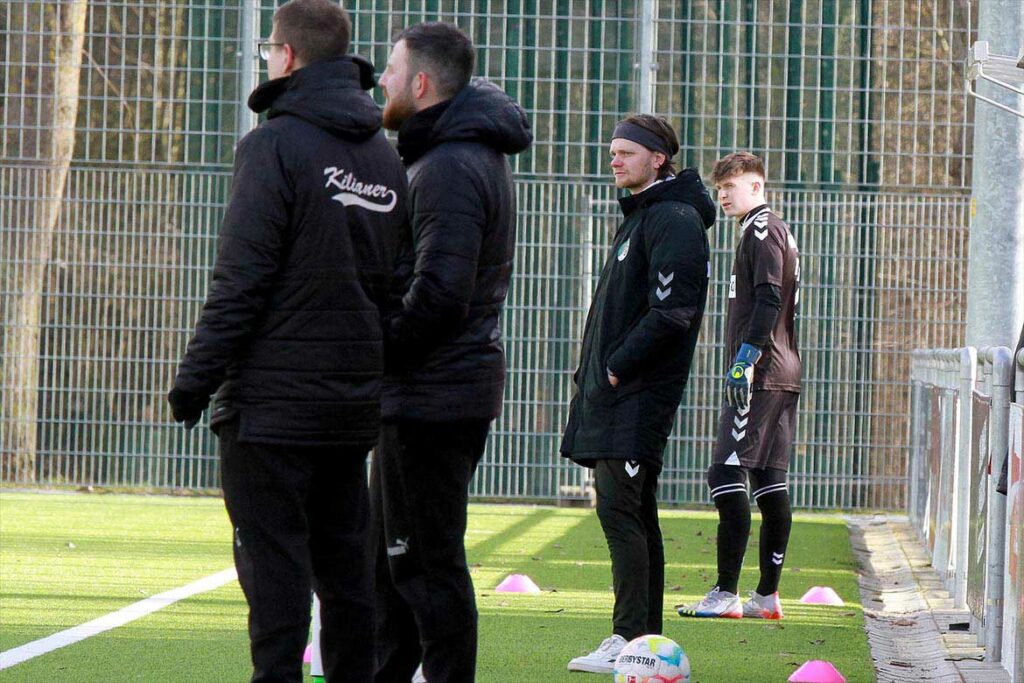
445 362
290 337
638 342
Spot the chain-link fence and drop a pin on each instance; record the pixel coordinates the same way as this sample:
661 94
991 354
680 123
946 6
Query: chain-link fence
119 120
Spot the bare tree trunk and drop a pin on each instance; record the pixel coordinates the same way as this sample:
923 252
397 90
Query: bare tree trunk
19 374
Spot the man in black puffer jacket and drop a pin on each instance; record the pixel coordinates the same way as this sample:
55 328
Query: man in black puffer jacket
445 363
638 343
290 337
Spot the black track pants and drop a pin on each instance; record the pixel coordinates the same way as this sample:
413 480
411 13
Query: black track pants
301 522
628 509
426 610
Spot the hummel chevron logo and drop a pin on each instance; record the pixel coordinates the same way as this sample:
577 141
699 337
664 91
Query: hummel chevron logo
740 423
761 234
739 436
666 279
743 411
663 293
733 460
777 558
401 547
632 468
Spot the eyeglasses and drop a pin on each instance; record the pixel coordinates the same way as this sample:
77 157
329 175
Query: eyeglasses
264 49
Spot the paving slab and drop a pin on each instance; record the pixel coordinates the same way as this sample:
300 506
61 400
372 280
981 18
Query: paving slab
908 611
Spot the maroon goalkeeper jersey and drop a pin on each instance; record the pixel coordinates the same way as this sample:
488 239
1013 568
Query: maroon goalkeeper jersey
766 254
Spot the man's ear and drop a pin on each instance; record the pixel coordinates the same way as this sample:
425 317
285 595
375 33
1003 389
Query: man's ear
659 164
289 59
420 84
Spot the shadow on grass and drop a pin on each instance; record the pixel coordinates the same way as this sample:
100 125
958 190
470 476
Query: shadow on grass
573 614
524 639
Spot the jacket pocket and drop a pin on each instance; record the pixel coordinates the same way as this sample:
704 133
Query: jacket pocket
597 388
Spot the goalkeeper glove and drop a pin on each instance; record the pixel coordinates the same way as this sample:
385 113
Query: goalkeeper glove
739 383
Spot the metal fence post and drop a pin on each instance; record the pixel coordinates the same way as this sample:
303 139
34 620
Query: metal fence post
916 419
1001 360
997 226
1016 635
962 472
947 495
247 66
647 63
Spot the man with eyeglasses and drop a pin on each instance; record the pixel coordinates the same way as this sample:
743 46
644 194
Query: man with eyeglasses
290 340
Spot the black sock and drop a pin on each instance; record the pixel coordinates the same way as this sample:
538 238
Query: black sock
775 525
733 531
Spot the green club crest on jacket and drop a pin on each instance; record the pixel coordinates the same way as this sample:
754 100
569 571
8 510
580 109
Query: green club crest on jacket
623 250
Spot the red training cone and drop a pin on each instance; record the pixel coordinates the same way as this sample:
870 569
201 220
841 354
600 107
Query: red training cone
821 595
517 583
817 671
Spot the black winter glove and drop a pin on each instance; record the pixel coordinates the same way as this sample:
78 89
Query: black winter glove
186 406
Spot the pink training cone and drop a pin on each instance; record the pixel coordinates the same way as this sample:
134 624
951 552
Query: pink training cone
307 656
821 595
517 583
817 671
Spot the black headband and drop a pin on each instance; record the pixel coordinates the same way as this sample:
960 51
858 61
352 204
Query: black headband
642 136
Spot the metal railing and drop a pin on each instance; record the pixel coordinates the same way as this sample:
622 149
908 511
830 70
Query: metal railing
962 432
1013 592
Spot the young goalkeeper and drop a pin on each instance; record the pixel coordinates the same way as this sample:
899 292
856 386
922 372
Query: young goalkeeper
758 419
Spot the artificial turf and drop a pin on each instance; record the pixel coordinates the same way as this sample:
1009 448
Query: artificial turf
68 558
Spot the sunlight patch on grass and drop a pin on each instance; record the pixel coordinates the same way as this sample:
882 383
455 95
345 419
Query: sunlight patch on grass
65 559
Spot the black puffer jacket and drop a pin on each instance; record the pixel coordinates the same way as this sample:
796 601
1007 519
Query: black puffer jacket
291 330
643 325
445 356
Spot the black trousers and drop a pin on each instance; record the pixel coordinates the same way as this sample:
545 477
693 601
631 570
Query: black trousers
627 506
426 610
301 519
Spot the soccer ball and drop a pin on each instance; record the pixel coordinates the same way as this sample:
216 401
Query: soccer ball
652 659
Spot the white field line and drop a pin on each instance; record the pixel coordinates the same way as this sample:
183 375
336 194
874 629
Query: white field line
17 655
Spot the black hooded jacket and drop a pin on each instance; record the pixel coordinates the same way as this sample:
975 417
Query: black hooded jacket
445 359
290 335
643 325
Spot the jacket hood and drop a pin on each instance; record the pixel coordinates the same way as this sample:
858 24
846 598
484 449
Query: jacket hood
482 112
330 94
687 187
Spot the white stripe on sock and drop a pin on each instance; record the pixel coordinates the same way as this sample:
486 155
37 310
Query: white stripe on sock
728 488
769 489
